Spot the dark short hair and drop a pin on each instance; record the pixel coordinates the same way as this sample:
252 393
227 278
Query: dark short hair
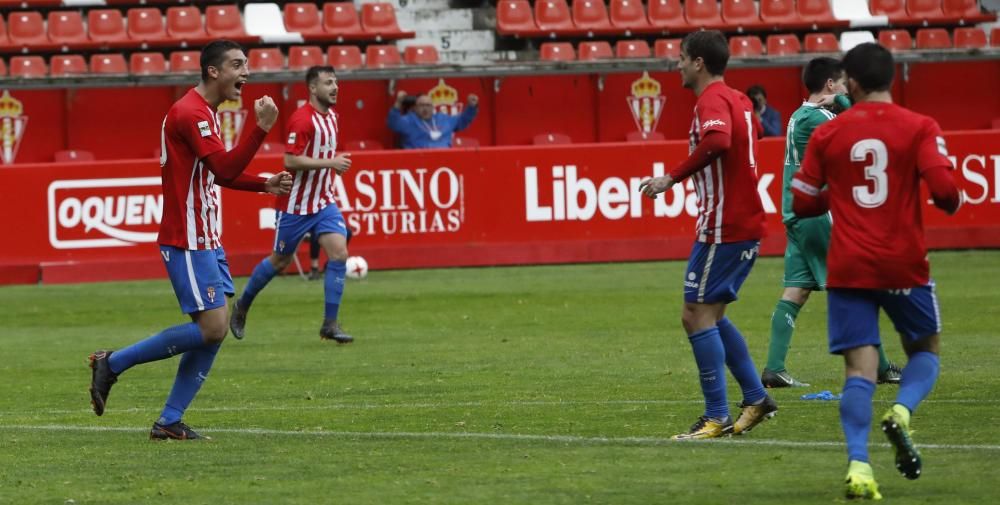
818 71
755 90
214 55
710 46
871 66
313 73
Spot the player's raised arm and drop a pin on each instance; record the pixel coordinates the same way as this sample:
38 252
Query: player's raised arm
227 166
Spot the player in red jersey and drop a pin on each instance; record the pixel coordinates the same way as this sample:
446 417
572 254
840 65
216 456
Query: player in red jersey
730 225
193 161
311 153
866 166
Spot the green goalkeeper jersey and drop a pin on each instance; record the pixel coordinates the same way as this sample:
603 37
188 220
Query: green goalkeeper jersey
800 128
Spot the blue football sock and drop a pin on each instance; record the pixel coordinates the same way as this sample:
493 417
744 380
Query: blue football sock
856 416
919 376
333 287
740 363
169 342
711 358
191 373
262 274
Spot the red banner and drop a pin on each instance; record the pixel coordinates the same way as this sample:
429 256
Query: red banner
460 207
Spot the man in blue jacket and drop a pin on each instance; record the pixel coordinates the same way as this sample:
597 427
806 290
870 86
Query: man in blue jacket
423 128
770 119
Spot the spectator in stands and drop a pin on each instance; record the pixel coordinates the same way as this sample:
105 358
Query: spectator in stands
423 128
770 118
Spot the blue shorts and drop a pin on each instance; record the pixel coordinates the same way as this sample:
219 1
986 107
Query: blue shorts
853 315
715 272
201 279
292 227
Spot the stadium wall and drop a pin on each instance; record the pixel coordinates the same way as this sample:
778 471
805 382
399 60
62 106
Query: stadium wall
96 221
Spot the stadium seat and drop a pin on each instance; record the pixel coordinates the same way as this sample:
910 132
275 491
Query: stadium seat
895 40
632 49
223 21
853 38
970 38
111 63
995 36
933 38
514 16
184 23
267 59
341 18
66 28
668 49
644 136
627 14
557 51
28 67
779 14
26 29
302 18
553 15
821 43
924 10
745 47
4 38
67 64
965 11
783 45
382 56
740 14
147 64
817 12
590 15
465 142
895 10
70 155
551 139
703 13
420 55
303 57
106 25
667 15
379 19
599 50
363 145
185 62
145 24
344 57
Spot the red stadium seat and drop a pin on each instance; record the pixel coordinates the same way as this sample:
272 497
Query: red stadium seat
28 67
223 21
70 155
745 47
590 14
644 136
267 59
893 9
553 15
933 38
514 16
779 13
184 23
924 10
341 18
379 19
741 14
598 50
551 139
995 36
382 56
344 57
363 145
420 55
465 142
667 15
668 48
106 25
67 64
703 13
66 28
895 40
185 62
303 57
815 11
146 24
970 38
783 45
557 51
628 14
4 38
26 29
966 11
3 68
632 49
147 64
112 63
303 18
821 43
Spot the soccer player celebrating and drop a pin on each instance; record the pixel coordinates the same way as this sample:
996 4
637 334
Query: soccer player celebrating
730 226
310 152
808 238
871 159
193 161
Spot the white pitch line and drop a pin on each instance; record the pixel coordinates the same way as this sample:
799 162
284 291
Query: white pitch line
568 439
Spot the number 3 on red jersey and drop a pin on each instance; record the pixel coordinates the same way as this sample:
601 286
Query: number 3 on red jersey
865 196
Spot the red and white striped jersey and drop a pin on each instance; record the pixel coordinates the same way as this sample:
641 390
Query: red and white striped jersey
314 134
729 208
191 217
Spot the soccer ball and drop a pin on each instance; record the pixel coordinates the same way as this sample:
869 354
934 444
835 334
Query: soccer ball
357 268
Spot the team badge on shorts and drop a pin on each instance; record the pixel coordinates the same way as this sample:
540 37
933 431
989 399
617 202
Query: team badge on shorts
210 291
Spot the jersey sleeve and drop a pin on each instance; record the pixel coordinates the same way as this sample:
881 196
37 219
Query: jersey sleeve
713 115
298 136
932 151
197 128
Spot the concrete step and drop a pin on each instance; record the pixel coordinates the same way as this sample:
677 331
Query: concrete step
473 57
459 40
435 19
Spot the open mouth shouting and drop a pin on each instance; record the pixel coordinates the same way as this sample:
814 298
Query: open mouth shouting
238 86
